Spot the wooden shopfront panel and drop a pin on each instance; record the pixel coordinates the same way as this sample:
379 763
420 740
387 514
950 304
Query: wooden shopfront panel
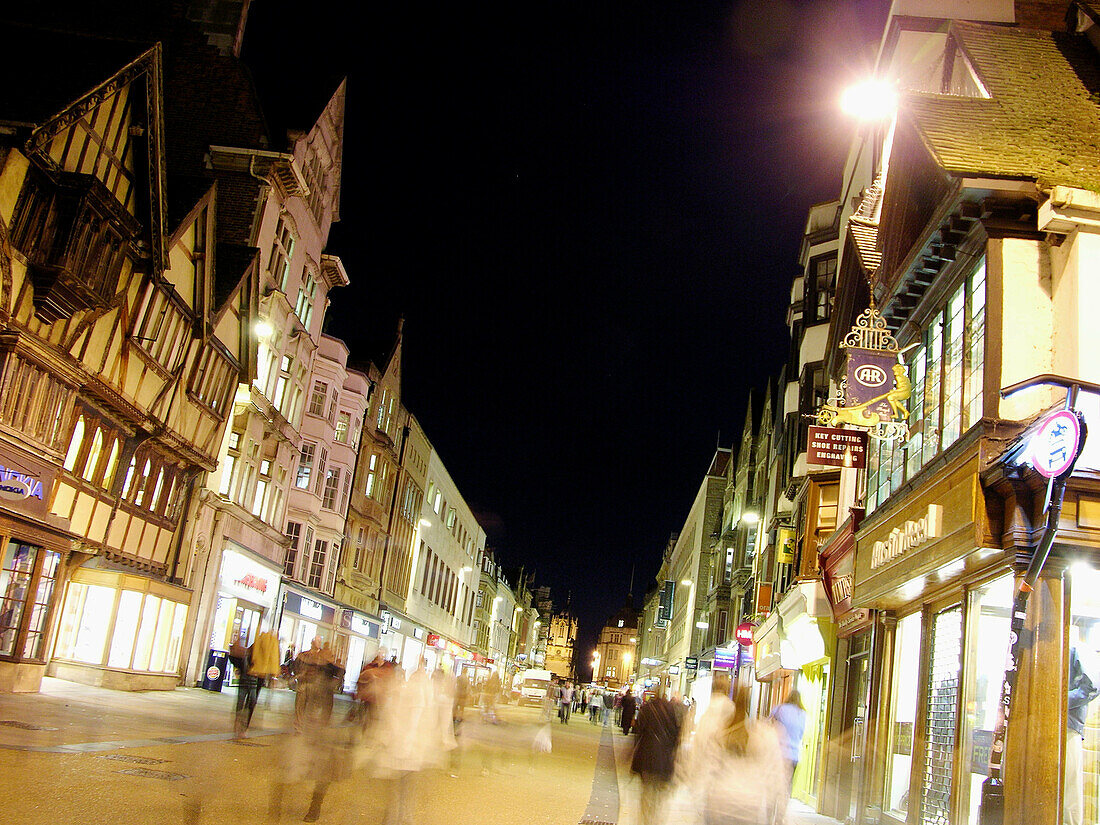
962 542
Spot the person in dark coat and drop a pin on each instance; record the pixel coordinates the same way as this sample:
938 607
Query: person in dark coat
627 705
656 736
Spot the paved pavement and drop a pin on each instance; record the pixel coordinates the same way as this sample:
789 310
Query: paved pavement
185 737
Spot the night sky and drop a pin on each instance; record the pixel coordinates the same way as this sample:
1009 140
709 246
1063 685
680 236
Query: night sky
589 214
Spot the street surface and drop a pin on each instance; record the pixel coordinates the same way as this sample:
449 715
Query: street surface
79 754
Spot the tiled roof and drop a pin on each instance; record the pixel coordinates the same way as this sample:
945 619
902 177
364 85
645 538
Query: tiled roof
1042 121
230 263
863 224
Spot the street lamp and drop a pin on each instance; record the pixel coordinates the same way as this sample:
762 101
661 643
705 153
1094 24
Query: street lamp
870 100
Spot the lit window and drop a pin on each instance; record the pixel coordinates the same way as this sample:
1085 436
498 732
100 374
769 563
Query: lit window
306 296
305 466
317 398
342 422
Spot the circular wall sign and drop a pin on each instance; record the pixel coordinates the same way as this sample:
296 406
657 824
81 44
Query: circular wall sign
212 673
744 633
1054 447
14 489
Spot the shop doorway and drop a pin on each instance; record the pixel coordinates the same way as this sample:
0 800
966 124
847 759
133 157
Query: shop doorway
853 727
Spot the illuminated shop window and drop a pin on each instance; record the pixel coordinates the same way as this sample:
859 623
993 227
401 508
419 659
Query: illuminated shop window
143 632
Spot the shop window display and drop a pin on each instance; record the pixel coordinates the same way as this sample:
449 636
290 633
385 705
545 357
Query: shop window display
120 628
26 586
989 618
942 717
904 713
1082 764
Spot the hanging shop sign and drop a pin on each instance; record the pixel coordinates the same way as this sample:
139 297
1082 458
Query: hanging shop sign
674 670
908 536
664 607
876 385
834 447
785 545
1054 448
691 663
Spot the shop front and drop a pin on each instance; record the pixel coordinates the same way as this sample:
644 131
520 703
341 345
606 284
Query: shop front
33 544
120 630
929 562
245 604
849 721
305 616
357 642
807 644
403 639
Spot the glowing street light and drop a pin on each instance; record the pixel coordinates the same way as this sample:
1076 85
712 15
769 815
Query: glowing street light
870 100
750 517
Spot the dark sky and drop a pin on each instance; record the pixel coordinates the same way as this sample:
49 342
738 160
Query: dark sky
589 214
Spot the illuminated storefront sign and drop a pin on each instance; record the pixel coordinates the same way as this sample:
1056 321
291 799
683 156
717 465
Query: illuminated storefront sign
725 657
744 633
15 485
309 608
246 579
909 536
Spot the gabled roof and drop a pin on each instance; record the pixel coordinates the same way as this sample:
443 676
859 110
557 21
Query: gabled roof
1042 118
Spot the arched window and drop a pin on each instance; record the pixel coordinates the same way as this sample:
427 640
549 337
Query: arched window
75 445
143 482
129 483
153 499
92 463
112 465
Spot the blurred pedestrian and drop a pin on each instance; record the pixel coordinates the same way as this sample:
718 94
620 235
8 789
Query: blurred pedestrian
627 706
417 732
595 705
657 734
737 762
606 701
313 675
566 703
791 719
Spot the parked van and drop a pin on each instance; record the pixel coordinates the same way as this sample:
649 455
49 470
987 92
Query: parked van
533 687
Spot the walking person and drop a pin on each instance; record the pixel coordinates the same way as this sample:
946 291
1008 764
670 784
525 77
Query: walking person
737 764
628 704
791 720
566 703
657 734
595 705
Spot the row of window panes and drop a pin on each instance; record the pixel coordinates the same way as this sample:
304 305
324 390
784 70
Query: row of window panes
946 400
251 486
19 590
284 387
96 461
312 564
123 629
34 402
